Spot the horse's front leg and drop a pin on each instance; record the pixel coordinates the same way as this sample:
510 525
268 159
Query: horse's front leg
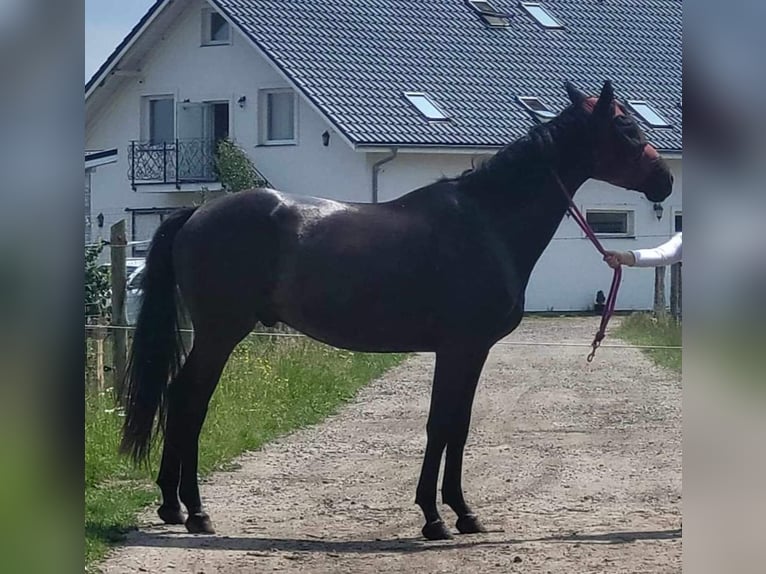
452 490
455 378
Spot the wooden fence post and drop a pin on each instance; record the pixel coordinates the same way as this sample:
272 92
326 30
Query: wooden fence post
118 245
675 290
99 336
659 290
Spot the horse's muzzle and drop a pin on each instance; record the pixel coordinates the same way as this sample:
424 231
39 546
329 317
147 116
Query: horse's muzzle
659 183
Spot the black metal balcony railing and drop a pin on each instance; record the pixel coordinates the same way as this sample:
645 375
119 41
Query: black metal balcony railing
175 161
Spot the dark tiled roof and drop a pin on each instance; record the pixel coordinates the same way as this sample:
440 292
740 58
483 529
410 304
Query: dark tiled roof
354 59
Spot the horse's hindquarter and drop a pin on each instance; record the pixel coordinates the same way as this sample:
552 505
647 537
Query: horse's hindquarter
388 277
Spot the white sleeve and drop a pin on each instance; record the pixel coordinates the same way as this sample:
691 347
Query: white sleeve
665 254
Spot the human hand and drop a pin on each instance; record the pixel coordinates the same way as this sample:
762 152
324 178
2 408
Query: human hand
617 258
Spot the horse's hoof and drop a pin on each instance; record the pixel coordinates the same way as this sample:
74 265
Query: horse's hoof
469 524
199 523
437 531
170 515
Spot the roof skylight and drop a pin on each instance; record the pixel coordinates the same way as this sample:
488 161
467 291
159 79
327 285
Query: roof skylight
538 109
489 14
425 106
648 114
541 15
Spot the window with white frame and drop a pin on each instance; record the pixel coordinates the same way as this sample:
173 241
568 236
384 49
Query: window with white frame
647 113
425 105
278 117
159 119
678 222
215 28
541 15
537 108
492 17
143 225
611 222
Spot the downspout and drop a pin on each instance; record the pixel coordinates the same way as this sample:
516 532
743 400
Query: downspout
376 167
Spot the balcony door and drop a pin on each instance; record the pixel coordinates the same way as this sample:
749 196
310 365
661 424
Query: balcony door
201 125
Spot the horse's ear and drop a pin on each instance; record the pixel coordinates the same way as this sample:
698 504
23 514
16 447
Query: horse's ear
575 96
604 105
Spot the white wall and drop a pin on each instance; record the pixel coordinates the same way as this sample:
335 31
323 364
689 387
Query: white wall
408 171
310 168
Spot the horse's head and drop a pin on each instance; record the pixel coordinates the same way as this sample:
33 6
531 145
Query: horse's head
621 154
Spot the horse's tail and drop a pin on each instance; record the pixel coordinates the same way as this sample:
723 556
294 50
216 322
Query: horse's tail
157 350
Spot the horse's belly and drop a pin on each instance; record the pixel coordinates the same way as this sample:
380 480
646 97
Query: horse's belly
364 320
397 318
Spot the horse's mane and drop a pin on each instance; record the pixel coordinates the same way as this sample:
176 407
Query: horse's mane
526 156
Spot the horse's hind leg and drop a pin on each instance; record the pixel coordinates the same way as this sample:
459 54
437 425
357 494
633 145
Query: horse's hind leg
168 479
169 476
188 398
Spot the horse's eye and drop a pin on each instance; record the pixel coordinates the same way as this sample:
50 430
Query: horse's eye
627 126
631 133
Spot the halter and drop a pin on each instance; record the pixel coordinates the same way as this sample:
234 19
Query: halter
612 298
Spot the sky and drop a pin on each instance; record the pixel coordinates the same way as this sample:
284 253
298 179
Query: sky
107 22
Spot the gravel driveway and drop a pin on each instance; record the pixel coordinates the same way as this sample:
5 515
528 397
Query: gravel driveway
575 468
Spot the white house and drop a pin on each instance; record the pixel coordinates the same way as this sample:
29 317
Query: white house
365 101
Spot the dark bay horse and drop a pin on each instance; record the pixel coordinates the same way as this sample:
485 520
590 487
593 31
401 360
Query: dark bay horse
442 269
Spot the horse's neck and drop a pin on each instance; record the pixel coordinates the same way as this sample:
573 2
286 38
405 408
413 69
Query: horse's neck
527 223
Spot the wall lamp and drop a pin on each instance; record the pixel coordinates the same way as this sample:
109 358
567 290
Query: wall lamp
658 210
241 101
326 138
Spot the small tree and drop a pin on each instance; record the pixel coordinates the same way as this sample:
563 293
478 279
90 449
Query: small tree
235 169
97 283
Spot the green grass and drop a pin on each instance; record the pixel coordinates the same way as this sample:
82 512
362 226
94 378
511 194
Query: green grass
269 387
646 329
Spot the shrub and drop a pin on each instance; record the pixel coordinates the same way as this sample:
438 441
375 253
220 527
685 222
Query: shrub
235 169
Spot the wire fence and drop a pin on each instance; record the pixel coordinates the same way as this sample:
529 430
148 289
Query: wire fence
106 243
295 335
100 373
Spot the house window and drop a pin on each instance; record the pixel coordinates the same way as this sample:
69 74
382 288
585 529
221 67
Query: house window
219 121
161 120
144 223
611 223
215 29
425 105
278 118
541 15
492 17
647 113
537 108
677 222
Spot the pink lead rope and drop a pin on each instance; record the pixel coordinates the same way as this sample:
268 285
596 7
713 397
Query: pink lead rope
612 298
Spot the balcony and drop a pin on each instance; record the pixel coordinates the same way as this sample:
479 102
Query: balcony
174 162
